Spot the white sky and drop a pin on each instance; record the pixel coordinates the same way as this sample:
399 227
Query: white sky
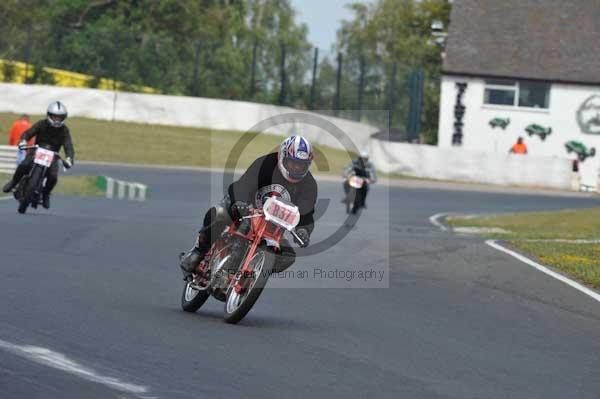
323 19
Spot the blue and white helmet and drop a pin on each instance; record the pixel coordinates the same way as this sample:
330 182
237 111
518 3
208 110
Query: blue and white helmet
295 157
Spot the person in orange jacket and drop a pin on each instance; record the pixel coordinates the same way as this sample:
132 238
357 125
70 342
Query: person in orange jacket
519 147
19 127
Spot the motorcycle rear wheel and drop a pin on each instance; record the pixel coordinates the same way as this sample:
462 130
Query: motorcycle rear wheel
238 305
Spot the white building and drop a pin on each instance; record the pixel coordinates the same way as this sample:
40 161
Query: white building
514 68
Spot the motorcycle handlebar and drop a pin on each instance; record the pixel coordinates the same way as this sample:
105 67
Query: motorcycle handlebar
256 215
35 147
300 240
367 179
259 213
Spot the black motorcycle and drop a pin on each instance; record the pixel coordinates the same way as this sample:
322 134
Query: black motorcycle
355 199
30 188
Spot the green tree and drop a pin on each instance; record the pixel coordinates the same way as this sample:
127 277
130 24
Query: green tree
395 32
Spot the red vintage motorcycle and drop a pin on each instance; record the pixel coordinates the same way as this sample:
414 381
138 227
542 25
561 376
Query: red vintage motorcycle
238 265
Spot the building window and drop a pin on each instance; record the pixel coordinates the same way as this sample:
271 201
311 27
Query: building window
534 94
500 92
517 93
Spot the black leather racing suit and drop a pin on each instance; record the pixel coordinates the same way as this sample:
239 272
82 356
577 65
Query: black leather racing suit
361 169
263 179
51 138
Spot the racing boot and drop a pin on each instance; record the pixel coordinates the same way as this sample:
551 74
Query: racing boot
8 187
46 200
192 259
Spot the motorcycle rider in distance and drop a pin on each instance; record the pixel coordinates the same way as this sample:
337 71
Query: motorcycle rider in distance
361 167
284 174
52 134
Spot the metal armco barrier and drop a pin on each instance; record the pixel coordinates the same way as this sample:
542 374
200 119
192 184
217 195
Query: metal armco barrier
8 159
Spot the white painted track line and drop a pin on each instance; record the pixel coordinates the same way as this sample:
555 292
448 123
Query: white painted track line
59 361
434 219
494 244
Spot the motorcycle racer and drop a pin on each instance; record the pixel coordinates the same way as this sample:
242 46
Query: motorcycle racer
283 174
362 167
50 133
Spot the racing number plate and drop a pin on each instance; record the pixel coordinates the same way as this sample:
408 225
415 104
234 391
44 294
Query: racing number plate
44 157
281 213
356 182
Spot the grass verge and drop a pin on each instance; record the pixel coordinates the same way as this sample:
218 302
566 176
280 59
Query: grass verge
72 185
579 260
79 185
135 143
565 224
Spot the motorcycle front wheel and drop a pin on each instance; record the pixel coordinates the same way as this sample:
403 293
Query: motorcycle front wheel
359 200
239 304
29 185
350 199
193 297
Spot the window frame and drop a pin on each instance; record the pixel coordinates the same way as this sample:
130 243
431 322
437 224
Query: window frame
516 87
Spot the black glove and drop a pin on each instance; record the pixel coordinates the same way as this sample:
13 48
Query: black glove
302 233
239 209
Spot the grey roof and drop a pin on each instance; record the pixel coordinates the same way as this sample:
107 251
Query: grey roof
553 40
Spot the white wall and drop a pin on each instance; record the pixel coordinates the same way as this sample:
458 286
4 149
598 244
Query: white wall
173 110
458 164
478 135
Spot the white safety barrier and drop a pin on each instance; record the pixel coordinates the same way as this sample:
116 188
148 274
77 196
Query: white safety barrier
8 159
121 189
175 111
468 166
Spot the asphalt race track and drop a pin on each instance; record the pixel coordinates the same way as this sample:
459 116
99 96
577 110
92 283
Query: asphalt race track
90 290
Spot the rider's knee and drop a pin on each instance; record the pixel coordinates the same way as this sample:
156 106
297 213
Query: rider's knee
219 214
284 259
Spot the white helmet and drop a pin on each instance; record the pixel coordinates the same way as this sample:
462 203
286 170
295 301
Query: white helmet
364 154
56 114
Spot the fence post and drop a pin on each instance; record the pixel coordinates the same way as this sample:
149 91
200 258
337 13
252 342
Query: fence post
195 86
419 101
252 90
313 87
413 125
392 96
361 87
28 51
115 72
337 104
282 91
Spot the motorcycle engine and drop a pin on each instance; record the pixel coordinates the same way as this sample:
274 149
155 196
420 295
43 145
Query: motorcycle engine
224 267
219 278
